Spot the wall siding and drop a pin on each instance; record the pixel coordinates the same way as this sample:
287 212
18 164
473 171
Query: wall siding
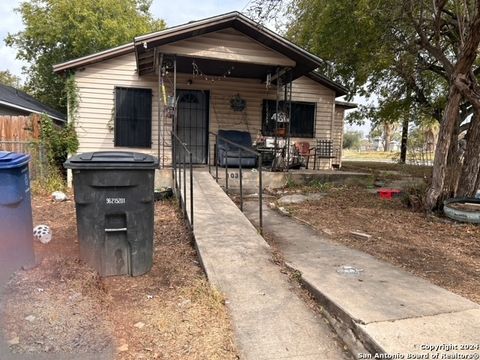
96 85
227 44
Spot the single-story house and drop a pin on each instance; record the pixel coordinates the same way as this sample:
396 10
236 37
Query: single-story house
224 72
14 102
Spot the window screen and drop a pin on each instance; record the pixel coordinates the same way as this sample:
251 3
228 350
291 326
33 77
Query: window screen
302 119
133 117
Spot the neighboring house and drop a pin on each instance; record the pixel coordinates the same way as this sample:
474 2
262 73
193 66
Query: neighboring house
14 102
221 72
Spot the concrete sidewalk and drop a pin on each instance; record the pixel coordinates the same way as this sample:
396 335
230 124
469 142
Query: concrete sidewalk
269 320
388 309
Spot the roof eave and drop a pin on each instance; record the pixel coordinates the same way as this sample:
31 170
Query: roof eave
93 58
340 90
8 104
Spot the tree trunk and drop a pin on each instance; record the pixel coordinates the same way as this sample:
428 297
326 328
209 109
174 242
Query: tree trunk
387 136
471 163
454 166
403 147
440 163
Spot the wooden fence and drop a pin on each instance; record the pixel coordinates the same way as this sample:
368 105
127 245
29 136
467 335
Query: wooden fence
20 128
22 134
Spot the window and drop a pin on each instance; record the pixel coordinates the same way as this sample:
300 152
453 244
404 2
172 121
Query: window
133 117
302 120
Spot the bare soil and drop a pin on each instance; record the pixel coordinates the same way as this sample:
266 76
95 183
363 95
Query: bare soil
445 252
64 306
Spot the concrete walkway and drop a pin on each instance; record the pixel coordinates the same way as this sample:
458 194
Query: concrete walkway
390 310
270 322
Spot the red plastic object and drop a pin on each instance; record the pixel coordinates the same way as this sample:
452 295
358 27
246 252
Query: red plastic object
388 193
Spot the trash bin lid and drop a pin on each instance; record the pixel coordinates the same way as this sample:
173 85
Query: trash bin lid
112 160
9 160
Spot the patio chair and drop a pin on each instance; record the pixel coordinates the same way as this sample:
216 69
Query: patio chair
229 154
305 152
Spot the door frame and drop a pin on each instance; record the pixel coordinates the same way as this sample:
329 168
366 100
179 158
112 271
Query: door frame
207 109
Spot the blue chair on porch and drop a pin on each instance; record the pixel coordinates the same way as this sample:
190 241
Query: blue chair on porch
229 154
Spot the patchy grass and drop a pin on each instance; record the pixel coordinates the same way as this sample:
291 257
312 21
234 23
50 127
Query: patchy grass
371 155
171 312
394 169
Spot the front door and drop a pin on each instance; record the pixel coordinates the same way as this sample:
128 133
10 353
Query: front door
192 123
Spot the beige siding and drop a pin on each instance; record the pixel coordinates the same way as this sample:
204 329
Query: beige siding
338 134
96 85
227 44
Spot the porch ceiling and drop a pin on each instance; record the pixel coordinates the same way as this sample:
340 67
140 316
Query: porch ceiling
212 67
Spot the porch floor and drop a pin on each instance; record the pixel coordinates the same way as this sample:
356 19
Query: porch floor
269 320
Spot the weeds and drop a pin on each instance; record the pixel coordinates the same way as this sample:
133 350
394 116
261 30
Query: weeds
320 186
414 195
53 181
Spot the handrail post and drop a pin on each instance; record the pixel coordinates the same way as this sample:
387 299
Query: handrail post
226 170
184 184
179 189
174 175
240 171
216 158
260 193
191 189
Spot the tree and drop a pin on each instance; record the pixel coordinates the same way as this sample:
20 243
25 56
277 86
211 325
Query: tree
7 78
352 140
428 49
61 30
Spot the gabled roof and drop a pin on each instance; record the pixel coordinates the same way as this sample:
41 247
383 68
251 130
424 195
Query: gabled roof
16 99
145 54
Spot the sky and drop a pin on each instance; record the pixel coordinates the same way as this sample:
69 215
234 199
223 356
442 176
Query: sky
174 12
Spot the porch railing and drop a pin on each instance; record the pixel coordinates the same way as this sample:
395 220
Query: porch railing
181 161
240 170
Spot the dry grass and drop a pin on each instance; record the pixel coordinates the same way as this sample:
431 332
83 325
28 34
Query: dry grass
170 313
442 251
396 168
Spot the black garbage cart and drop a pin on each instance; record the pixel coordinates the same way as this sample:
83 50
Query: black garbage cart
114 204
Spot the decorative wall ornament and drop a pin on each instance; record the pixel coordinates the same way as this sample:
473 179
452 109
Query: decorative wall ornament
237 103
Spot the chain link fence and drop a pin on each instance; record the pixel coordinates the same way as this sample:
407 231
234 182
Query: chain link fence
38 166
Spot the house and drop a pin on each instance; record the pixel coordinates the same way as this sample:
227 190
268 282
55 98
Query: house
14 102
223 72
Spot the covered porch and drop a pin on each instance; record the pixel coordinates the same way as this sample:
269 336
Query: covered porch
231 74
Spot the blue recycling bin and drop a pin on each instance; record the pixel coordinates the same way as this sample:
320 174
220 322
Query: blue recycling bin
16 228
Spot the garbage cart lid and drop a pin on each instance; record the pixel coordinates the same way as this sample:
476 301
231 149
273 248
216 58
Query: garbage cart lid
9 160
112 160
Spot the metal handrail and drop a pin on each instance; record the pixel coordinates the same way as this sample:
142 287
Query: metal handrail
259 169
177 180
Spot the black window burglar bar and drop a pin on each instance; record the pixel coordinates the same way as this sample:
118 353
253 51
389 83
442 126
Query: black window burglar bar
181 159
238 152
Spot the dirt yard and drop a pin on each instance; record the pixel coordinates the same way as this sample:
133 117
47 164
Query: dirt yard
445 252
62 306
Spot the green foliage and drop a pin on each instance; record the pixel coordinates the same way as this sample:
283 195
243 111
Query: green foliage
61 30
58 141
320 186
290 184
72 99
352 140
7 78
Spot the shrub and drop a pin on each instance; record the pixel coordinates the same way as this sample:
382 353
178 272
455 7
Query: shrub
414 195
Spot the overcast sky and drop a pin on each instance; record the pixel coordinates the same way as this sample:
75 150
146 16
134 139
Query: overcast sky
174 12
